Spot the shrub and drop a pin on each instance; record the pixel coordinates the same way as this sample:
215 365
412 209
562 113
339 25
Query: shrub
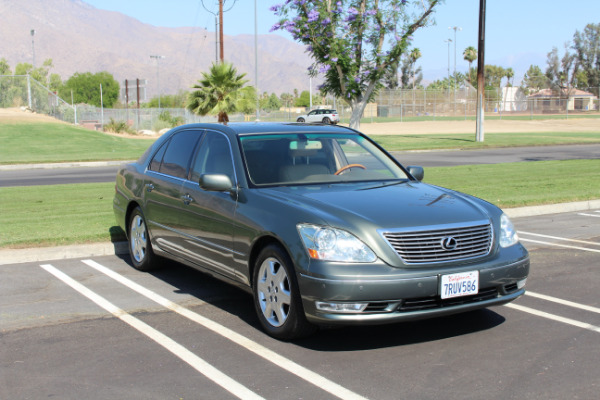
118 127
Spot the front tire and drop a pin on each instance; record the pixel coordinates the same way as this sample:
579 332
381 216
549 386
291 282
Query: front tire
300 120
277 297
140 248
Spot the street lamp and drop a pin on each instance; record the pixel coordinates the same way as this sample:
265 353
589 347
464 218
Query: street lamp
33 46
456 28
157 78
448 41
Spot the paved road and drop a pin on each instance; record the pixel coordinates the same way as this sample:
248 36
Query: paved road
496 156
100 329
53 176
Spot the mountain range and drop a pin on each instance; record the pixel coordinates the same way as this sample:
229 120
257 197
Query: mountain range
81 38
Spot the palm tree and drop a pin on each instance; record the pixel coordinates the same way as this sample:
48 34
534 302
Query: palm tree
415 54
470 55
509 75
220 91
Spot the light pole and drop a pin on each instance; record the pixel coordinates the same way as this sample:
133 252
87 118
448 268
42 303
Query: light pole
448 41
456 28
33 46
156 57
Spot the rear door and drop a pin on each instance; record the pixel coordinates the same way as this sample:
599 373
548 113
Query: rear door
162 195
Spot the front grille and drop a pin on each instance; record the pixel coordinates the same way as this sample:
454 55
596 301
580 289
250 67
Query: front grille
441 245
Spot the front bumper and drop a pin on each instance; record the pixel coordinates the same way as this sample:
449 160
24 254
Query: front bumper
406 298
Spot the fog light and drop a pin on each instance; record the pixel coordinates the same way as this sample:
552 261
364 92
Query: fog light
521 283
341 307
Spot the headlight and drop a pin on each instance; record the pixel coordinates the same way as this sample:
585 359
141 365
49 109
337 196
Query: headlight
324 243
508 233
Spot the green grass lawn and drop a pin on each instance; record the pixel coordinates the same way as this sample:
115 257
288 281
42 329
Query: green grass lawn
467 140
49 142
82 213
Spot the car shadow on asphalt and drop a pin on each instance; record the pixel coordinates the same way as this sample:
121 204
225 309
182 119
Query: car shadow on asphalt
238 302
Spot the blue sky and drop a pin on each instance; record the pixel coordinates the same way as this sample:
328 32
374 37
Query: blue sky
518 32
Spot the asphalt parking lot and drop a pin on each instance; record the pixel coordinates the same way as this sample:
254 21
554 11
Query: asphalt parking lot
97 328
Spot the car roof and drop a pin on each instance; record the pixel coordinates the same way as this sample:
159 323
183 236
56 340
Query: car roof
244 128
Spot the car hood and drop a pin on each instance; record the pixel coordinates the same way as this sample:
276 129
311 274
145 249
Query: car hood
385 205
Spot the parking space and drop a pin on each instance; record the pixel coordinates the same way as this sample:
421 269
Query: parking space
97 328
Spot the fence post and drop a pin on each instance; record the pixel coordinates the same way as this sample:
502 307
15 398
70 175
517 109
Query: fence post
29 92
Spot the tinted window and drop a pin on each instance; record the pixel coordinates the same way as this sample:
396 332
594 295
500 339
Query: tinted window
214 157
157 159
178 153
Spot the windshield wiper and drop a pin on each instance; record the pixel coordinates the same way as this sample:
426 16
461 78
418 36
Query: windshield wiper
386 184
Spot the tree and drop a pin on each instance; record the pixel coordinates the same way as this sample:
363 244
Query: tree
534 80
221 92
470 55
303 100
509 73
4 67
273 103
169 100
560 71
86 88
347 41
409 74
586 45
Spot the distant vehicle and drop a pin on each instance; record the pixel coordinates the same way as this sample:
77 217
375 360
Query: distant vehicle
324 116
318 223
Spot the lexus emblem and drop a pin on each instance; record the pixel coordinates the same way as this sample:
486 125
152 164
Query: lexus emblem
449 243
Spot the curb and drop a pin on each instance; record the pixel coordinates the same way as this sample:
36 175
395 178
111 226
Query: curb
40 254
13 167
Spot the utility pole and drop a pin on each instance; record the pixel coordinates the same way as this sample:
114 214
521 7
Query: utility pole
479 135
219 51
221 30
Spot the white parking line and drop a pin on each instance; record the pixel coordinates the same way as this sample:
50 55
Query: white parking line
269 355
560 238
193 360
553 317
560 245
563 302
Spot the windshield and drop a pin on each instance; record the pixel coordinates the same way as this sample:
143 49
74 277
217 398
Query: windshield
288 159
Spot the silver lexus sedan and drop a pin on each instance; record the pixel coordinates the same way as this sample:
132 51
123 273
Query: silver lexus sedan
318 223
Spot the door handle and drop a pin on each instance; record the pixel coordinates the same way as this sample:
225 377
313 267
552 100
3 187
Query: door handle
149 187
187 199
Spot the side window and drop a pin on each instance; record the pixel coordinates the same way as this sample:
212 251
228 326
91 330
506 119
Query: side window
157 159
176 158
214 157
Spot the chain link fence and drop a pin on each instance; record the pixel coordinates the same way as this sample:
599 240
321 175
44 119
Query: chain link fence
462 103
388 105
22 91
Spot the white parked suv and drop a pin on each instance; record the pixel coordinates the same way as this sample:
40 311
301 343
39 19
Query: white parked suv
324 116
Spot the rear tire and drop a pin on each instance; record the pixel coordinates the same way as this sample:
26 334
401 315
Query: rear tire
140 248
277 297
326 120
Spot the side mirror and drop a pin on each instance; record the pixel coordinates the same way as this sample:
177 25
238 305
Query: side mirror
417 172
215 182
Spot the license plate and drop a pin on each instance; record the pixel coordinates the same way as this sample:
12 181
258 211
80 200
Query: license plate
461 284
